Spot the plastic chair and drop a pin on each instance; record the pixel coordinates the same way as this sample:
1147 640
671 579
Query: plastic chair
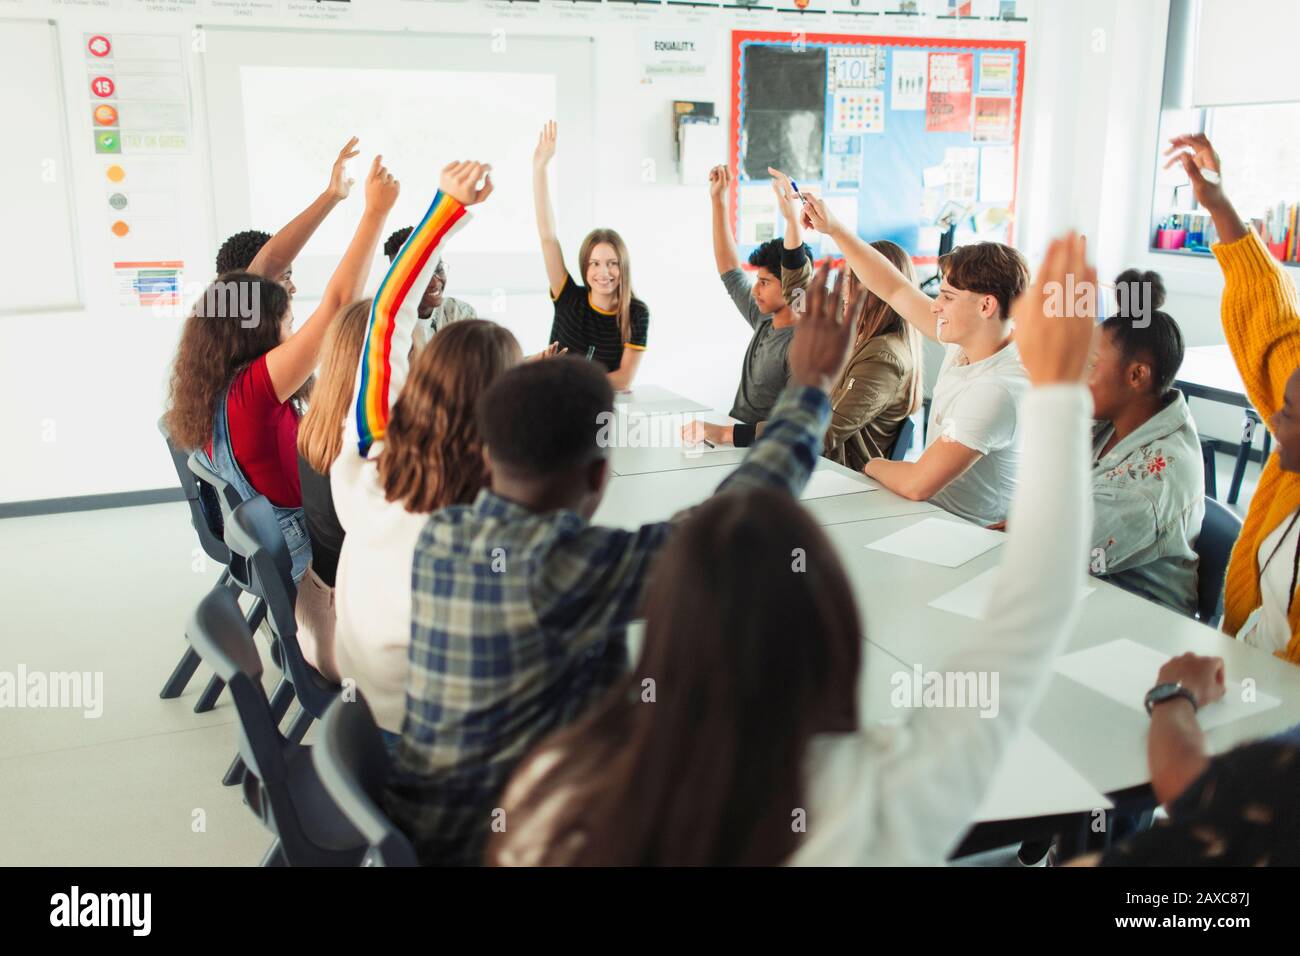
352 763
1219 531
282 787
253 533
903 443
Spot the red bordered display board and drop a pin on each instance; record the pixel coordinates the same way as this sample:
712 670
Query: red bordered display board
906 125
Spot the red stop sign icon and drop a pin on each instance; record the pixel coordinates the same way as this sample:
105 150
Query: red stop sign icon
103 86
98 45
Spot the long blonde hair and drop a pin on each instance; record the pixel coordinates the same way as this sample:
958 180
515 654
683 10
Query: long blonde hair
320 433
433 452
625 294
879 319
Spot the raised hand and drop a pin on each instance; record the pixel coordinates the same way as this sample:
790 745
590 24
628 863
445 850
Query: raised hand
818 217
1203 676
545 145
461 179
340 185
719 180
783 186
1201 163
1055 318
822 338
381 188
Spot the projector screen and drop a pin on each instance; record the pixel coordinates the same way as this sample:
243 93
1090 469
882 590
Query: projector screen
279 111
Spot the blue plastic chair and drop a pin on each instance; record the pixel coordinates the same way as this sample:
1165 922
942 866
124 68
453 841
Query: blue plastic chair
903 443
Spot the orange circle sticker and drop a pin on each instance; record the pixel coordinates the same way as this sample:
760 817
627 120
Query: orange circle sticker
120 228
115 173
106 115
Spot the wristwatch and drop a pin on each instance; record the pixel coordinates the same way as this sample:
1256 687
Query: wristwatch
1163 692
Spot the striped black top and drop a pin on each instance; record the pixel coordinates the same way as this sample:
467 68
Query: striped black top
579 325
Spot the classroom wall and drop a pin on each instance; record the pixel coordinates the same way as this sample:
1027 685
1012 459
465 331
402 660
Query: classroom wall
87 387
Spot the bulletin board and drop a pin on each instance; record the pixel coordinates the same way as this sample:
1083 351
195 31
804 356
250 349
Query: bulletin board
906 124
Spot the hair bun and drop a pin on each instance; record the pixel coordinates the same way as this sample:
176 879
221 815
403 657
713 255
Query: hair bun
1154 284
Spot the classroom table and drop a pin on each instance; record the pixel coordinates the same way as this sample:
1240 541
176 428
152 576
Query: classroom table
1209 372
1101 739
655 400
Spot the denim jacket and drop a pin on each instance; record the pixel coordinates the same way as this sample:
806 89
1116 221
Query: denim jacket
1148 505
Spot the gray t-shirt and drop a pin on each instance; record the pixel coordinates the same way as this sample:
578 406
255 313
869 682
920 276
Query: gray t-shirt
764 374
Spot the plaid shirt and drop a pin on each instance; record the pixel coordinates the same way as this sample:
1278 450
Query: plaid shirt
519 623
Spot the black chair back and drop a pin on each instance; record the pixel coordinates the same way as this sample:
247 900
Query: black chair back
352 763
1219 531
209 536
903 443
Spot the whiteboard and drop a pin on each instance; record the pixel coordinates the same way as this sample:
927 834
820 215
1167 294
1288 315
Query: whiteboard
280 104
38 262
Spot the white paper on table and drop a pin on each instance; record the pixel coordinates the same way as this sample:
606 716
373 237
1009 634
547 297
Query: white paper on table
699 448
936 541
1125 670
1033 780
972 598
828 484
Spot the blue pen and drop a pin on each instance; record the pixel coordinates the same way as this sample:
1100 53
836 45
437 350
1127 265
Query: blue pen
795 186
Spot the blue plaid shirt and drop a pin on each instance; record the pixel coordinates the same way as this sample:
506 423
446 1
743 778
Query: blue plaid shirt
519 623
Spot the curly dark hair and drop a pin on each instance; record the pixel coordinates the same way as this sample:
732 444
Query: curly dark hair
768 256
433 448
238 252
220 338
393 244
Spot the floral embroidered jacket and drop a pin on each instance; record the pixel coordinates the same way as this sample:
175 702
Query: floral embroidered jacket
1148 504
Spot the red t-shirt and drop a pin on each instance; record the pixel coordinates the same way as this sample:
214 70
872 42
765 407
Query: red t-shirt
264 435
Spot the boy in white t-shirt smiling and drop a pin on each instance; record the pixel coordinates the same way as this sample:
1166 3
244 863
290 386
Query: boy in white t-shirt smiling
969 465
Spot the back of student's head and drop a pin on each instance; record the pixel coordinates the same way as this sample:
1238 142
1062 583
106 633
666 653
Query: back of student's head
238 252
544 418
320 433
768 256
987 268
1142 332
433 448
393 244
236 320
752 646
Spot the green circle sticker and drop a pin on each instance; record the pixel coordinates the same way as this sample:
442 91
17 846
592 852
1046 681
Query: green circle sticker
107 141
117 201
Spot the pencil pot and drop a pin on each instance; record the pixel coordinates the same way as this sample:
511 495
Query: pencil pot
1170 238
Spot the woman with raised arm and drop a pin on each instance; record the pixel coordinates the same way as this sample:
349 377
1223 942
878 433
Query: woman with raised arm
602 318
239 367
410 446
1262 326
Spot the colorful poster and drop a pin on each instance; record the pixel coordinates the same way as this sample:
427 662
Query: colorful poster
948 101
155 285
995 72
907 80
859 111
992 119
857 68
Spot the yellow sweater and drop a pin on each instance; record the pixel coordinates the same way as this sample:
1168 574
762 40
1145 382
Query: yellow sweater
1262 325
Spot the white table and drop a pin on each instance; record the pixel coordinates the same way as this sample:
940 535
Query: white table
1103 740
655 400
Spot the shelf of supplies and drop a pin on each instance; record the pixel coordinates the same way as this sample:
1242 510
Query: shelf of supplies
1207 254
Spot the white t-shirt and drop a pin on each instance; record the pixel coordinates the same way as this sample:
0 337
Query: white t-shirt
1269 628
976 404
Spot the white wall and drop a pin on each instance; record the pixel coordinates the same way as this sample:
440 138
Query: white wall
83 390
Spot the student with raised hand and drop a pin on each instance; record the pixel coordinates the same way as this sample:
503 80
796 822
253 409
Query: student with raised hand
410 446
320 440
602 317
781 264
1234 809
272 256
436 310
702 776
520 606
1262 325
969 466
1148 478
239 366
878 389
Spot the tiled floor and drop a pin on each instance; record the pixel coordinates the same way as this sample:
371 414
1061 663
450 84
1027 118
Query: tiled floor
109 592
